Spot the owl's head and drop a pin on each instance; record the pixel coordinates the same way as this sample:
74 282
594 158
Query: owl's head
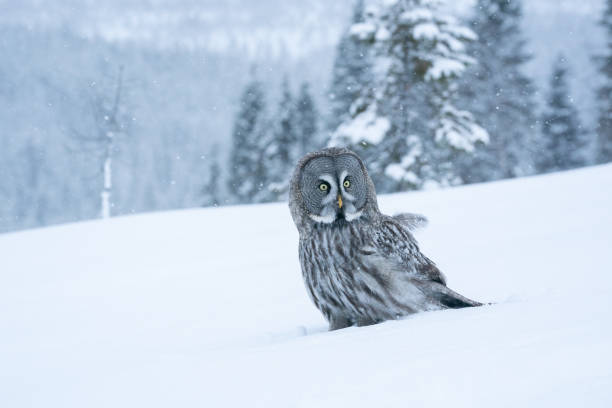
330 185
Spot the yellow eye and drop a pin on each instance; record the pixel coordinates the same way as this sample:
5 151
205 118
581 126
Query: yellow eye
346 184
323 187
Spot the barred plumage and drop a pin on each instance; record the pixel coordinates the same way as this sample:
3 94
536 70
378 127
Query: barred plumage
360 267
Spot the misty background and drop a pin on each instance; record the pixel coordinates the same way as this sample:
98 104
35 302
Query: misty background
167 79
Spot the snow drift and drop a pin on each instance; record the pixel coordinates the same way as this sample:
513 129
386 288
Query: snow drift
207 308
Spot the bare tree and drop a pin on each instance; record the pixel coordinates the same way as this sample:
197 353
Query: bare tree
109 123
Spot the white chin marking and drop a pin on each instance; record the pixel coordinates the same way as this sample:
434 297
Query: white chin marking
353 216
326 219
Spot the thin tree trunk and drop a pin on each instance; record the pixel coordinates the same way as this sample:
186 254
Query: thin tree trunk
113 122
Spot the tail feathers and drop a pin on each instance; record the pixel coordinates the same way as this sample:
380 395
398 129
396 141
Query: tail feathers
452 300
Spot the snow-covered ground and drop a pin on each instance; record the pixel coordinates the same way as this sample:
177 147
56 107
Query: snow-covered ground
206 308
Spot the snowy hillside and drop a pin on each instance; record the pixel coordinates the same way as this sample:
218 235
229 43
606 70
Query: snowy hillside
207 308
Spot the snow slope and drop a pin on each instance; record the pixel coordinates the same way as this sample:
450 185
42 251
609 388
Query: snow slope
205 308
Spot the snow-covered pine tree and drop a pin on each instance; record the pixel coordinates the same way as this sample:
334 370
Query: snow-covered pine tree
408 130
284 148
351 74
499 95
604 93
248 176
286 136
211 190
562 135
295 134
306 119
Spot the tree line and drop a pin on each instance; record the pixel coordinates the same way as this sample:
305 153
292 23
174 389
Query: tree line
430 101
266 143
90 129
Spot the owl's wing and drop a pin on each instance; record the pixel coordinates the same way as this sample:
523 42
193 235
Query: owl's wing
396 253
430 271
394 245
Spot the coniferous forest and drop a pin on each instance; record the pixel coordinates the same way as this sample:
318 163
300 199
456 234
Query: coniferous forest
428 95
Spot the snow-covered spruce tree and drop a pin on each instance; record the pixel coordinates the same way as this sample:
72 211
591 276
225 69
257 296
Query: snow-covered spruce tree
212 188
283 150
286 136
306 119
295 134
408 129
248 175
563 138
604 93
351 74
499 95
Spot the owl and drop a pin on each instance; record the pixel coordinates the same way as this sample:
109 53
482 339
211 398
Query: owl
360 266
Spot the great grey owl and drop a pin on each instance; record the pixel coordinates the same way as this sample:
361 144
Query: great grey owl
360 266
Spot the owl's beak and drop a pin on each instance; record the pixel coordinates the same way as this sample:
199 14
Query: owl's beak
339 201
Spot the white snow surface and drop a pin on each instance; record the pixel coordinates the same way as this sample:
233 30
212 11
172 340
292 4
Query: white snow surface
206 308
